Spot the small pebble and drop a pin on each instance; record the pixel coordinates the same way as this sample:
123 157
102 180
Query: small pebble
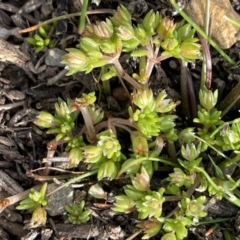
57 201
54 57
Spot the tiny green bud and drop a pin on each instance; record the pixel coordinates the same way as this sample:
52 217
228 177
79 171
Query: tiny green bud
108 170
75 156
151 21
111 147
133 193
151 204
169 44
97 191
45 119
190 153
92 154
179 178
125 32
39 217
85 99
103 30
141 181
190 50
164 105
139 144
151 227
165 28
142 98
123 204
207 98
74 57
87 44
122 16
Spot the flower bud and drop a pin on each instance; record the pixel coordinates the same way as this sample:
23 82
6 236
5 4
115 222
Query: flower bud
139 144
190 51
208 99
179 178
92 154
125 32
110 145
75 156
123 204
142 98
74 58
88 44
39 217
151 227
85 100
107 170
169 44
45 119
141 181
103 30
166 28
151 21
122 16
96 114
190 153
97 191
163 105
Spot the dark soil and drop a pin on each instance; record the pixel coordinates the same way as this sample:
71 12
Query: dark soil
29 84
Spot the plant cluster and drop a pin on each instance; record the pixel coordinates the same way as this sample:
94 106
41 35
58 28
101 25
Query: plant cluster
36 202
41 39
151 126
76 215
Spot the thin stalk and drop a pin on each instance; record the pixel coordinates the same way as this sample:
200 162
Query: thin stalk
122 73
236 23
91 133
184 90
82 21
203 42
6 202
229 162
218 220
152 55
227 235
229 100
192 96
200 31
97 11
233 200
133 162
206 74
74 180
207 17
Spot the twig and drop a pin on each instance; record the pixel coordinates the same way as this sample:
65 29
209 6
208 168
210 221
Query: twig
97 11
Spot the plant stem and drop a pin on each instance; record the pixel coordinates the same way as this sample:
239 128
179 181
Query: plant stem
200 31
6 202
229 162
91 133
82 22
76 179
206 74
184 90
97 11
233 200
229 100
122 73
